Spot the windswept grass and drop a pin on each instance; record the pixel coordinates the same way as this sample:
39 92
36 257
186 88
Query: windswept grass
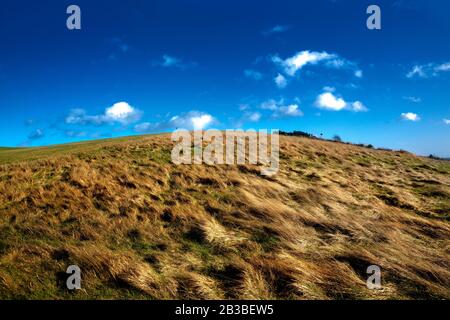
140 227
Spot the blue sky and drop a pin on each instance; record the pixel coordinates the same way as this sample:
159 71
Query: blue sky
150 66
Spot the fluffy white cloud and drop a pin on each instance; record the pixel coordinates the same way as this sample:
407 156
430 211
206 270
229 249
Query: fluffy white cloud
409 116
120 112
446 121
193 120
280 81
201 121
291 65
329 101
253 74
358 73
428 70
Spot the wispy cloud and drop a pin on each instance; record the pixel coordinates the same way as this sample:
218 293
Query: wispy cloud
409 116
253 74
168 61
276 29
413 99
36 134
428 70
446 121
329 101
290 66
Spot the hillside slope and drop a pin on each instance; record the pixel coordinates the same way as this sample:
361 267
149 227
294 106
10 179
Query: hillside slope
140 227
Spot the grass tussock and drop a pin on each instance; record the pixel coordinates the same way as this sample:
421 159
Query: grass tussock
140 227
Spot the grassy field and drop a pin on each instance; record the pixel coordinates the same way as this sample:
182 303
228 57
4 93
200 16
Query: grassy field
140 227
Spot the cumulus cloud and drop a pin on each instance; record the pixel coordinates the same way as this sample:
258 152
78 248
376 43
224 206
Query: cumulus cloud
193 120
280 81
446 121
409 116
328 101
428 70
253 74
120 112
292 65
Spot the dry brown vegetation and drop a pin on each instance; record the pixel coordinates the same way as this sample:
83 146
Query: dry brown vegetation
141 227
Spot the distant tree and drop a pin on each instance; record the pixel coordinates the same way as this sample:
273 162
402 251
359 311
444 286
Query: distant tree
337 138
370 146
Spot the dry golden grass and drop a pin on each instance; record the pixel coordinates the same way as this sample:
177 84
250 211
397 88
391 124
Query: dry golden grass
141 227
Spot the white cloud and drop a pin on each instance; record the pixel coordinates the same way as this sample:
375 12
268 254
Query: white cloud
291 110
358 73
428 70
358 106
193 120
416 71
443 67
280 81
409 116
120 112
253 74
279 109
329 101
201 121
254 116
299 60
291 65
446 121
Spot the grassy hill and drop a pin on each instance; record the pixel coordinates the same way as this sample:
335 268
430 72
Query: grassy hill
140 227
